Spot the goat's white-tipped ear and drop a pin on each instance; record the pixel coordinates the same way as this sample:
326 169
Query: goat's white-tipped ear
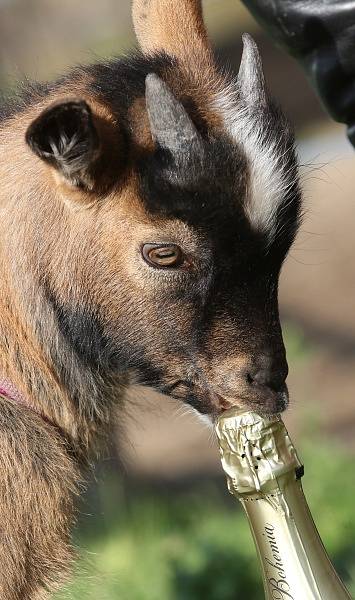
251 81
170 124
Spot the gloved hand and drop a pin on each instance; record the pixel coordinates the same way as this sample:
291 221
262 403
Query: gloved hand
321 35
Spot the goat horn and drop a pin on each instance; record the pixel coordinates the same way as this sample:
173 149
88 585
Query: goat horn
251 81
170 124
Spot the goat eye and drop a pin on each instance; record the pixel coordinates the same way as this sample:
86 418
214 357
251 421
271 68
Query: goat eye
163 256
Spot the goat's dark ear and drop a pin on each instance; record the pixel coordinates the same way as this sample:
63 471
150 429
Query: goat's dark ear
64 136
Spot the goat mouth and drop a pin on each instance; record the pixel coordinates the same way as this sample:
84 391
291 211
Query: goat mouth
266 402
265 409
276 404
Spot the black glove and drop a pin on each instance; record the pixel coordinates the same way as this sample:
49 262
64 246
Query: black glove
321 35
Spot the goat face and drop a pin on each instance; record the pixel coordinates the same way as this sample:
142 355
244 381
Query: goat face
172 255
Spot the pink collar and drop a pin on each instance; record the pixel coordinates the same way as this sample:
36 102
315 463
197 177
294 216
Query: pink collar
8 390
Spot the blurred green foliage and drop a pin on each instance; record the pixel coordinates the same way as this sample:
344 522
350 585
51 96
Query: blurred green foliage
166 545
192 542
298 347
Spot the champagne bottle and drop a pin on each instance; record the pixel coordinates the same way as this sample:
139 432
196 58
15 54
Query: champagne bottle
264 473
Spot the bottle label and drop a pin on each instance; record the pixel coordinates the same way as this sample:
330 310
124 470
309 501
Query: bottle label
280 588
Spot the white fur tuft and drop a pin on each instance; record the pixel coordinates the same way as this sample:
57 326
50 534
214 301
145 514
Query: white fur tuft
268 180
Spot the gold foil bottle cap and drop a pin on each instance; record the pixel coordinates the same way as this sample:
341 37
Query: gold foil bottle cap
257 453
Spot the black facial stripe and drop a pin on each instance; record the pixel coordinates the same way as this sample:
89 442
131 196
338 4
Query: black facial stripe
98 350
84 332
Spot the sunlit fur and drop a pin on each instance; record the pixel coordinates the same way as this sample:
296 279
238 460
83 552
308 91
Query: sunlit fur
82 316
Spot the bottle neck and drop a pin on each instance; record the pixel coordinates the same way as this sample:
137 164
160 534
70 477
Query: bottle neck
295 565
263 472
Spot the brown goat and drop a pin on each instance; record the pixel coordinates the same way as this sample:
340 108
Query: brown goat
147 205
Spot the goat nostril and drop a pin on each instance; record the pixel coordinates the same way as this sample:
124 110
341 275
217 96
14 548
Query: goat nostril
264 377
250 379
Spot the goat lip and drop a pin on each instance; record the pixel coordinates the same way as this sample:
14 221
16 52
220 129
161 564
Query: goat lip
274 405
271 404
224 403
214 403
